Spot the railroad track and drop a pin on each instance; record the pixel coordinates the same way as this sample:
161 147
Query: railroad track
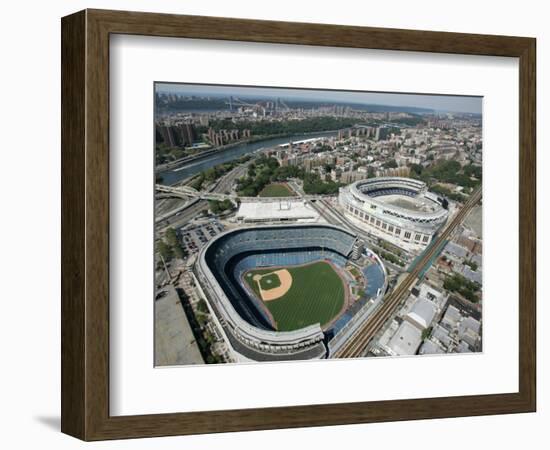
358 342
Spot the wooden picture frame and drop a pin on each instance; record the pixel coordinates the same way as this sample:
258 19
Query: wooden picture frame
85 224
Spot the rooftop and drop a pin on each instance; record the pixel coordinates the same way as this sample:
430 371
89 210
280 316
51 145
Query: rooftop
297 210
406 340
430 348
422 313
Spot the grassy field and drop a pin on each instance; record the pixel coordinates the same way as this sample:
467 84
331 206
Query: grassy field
270 282
251 283
317 295
276 190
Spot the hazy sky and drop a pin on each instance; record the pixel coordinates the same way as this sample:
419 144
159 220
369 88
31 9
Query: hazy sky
453 103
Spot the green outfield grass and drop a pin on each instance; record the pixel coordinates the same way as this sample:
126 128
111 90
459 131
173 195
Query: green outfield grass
317 295
276 190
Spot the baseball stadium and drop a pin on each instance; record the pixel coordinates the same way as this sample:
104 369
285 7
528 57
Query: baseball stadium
289 292
401 210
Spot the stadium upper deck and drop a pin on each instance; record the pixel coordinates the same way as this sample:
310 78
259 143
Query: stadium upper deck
399 208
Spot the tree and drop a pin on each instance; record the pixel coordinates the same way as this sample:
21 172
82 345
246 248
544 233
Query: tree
173 242
391 164
210 174
314 185
416 169
218 207
426 333
286 127
178 251
164 250
202 306
197 182
473 171
214 206
171 237
201 320
457 283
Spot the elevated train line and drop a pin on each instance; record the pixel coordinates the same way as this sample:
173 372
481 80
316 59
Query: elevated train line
357 344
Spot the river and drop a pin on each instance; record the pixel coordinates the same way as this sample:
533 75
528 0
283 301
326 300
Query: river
173 176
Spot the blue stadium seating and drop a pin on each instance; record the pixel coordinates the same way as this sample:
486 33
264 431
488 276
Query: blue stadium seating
233 254
391 191
375 279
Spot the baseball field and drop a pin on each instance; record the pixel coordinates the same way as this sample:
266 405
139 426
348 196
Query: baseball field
299 296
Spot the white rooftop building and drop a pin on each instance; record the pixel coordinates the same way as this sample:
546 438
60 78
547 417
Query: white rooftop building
406 340
430 348
430 293
442 335
468 331
422 313
458 333
419 313
451 318
283 210
470 323
456 250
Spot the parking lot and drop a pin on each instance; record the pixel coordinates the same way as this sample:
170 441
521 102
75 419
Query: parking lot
194 236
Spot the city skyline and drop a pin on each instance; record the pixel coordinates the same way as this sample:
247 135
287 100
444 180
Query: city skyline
436 102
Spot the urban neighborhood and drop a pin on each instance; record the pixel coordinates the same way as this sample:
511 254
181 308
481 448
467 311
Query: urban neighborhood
301 224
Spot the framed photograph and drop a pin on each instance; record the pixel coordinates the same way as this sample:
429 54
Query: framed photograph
273 225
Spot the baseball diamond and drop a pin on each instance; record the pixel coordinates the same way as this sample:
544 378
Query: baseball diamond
316 294
265 282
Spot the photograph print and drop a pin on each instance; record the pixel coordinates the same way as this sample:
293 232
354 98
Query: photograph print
302 224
